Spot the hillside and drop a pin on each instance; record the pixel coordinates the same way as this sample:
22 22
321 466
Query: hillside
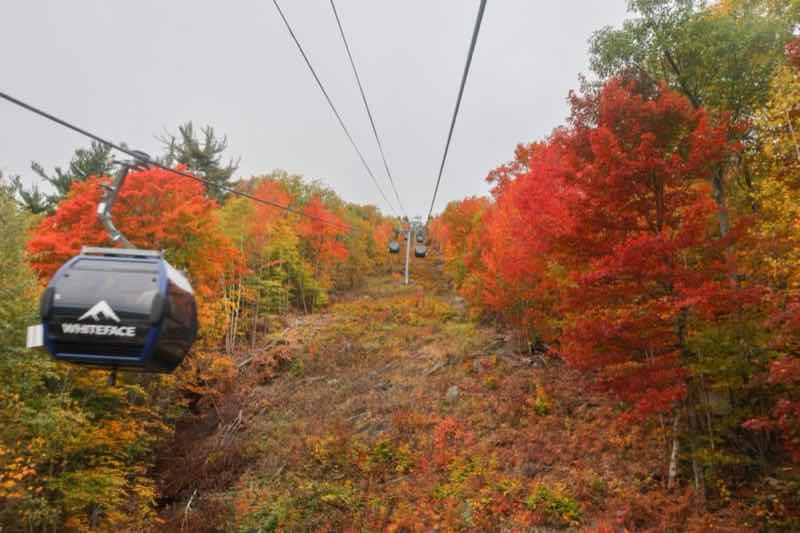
605 335
393 410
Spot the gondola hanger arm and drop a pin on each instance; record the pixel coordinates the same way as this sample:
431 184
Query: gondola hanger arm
110 196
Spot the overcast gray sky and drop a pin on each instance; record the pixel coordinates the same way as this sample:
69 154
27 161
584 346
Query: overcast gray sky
131 69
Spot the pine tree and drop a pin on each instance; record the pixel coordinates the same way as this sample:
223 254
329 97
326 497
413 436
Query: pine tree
32 199
96 160
203 156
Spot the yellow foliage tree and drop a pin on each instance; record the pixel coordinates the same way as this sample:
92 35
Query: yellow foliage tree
777 193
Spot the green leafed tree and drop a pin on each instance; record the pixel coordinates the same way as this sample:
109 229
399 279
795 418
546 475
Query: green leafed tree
719 55
74 452
17 284
96 160
201 152
30 198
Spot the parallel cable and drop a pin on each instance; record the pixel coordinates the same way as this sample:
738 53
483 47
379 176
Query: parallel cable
333 108
366 106
475 31
138 157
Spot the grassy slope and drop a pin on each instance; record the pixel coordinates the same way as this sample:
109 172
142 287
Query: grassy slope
350 419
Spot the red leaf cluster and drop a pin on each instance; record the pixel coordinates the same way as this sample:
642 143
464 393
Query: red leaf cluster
604 239
793 52
322 228
155 210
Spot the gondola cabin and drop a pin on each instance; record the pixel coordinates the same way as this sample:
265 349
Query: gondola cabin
420 250
119 308
420 238
394 247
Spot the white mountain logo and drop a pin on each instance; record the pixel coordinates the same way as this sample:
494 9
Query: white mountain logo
100 309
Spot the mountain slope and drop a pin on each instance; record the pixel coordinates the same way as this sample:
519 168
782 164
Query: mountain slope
393 410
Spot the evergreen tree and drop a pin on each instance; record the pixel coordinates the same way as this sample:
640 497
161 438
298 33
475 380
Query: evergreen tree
96 160
32 199
203 156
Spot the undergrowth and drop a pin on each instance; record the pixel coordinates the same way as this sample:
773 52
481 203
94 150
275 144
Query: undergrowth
393 410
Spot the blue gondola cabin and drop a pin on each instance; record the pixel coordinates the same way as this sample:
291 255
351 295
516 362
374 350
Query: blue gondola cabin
119 308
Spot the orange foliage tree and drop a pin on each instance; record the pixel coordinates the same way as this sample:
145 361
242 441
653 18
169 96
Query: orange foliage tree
602 240
321 229
518 241
266 217
454 230
97 442
155 210
647 263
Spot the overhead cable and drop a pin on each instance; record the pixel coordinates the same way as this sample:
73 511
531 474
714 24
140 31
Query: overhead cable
138 156
333 107
474 40
366 106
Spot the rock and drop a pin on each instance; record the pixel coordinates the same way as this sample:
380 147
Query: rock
361 412
466 512
477 366
377 429
435 368
452 393
332 382
530 469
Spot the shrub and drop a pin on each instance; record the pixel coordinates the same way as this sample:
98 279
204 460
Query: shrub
556 508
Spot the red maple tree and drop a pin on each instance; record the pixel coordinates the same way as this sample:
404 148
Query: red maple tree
321 228
642 248
155 210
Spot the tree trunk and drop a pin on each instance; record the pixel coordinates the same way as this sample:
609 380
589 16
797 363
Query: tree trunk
303 297
699 483
228 315
717 181
255 323
236 312
718 184
229 331
319 257
705 403
794 137
694 425
238 307
697 468
257 298
673 458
